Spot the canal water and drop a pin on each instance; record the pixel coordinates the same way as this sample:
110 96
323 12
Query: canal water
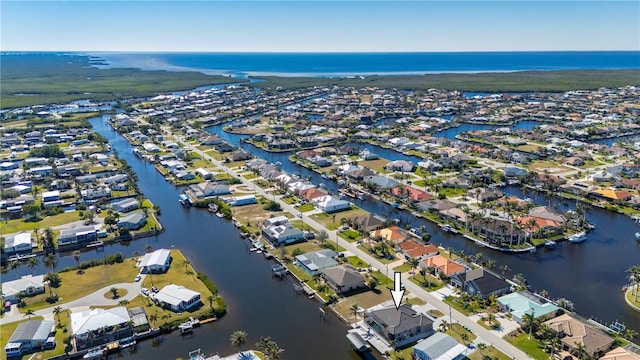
258 303
590 274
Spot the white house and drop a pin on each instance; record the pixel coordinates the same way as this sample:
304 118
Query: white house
125 205
115 179
94 321
77 235
29 285
177 298
151 147
133 221
91 194
155 262
241 200
329 204
17 243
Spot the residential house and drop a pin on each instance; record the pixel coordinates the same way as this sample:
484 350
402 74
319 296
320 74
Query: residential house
343 278
208 188
481 283
99 326
574 333
184 175
239 155
155 262
410 193
330 204
18 243
360 174
316 262
392 233
283 234
383 182
204 173
368 222
524 303
177 298
400 165
313 193
95 193
125 205
133 221
620 353
439 346
443 265
241 200
368 155
413 250
79 235
27 285
401 326
115 179
30 336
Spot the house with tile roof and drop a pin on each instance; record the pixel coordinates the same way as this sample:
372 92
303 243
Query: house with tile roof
574 333
443 265
392 233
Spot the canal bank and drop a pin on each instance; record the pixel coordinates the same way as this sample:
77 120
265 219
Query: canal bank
590 275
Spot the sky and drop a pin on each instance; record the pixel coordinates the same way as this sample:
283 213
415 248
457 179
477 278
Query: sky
318 26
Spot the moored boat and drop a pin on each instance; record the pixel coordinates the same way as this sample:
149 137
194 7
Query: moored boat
638 235
94 353
550 244
578 237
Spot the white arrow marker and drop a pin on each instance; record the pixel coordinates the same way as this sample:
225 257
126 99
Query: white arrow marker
397 291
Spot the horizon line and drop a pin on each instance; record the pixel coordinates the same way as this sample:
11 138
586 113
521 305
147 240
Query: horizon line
308 52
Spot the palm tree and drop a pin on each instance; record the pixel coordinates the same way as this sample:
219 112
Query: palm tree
423 273
555 344
51 261
14 265
580 351
482 347
238 339
56 311
269 348
528 322
504 269
464 337
186 264
444 326
630 334
354 311
153 318
114 291
210 299
48 237
413 263
29 313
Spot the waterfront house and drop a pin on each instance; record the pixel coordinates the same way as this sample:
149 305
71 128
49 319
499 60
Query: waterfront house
574 333
119 178
330 204
412 250
83 234
381 181
241 200
283 234
276 220
343 278
30 336
177 298
125 205
95 193
367 155
392 233
400 165
99 326
441 264
315 262
133 221
439 346
208 189
313 193
368 222
18 243
360 174
184 175
410 193
27 285
480 282
402 326
155 262
524 303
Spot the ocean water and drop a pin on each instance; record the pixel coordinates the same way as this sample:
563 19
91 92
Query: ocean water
359 64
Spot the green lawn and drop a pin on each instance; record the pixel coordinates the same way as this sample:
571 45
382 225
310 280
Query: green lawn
429 283
180 273
456 330
491 352
74 285
531 347
18 225
299 224
327 219
631 297
350 235
357 262
305 207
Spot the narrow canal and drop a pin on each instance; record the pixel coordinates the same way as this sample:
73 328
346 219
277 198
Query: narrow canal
590 274
258 303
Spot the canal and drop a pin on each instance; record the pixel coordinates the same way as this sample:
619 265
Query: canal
590 274
258 303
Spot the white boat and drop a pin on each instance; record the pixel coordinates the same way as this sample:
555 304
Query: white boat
95 353
446 227
219 215
638 235
186 327
579 237
550 244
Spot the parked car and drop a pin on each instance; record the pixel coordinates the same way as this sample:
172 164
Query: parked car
145 291
138 278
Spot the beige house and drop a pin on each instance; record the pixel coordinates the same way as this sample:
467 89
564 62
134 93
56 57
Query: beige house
343 278
574 333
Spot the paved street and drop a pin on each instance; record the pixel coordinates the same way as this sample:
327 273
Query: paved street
491 337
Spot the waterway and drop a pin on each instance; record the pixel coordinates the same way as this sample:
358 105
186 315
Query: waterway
591 274
451 133
258 303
